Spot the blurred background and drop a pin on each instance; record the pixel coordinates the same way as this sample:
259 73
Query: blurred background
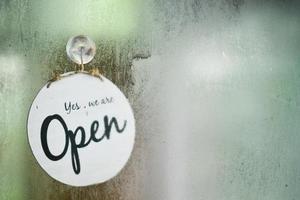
214 85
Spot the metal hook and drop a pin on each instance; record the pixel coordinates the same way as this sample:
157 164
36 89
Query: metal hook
81 59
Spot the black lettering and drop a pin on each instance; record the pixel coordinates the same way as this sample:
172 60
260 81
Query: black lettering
70 137
44 141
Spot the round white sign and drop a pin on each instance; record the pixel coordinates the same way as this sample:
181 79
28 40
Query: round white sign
81 129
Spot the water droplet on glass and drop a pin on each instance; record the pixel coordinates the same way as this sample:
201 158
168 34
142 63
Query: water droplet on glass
81 49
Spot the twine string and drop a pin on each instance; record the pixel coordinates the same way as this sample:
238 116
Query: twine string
93 72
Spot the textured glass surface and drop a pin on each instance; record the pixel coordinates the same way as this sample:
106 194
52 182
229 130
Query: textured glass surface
214 85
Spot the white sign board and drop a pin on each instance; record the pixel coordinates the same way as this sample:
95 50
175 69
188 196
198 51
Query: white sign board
81 129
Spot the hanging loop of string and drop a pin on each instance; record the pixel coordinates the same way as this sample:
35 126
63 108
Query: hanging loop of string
86 48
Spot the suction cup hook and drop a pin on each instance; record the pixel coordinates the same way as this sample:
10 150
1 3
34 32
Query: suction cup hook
81 49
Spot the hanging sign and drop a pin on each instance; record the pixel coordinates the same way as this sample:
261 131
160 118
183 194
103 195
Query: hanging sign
81 129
